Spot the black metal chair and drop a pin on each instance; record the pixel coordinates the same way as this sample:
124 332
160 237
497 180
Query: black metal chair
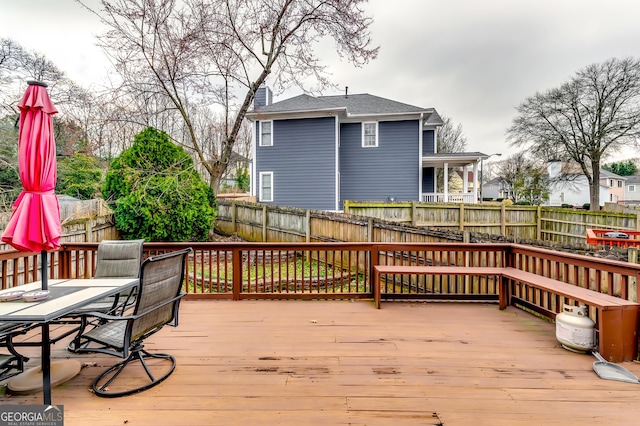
114 259
157 303
11 363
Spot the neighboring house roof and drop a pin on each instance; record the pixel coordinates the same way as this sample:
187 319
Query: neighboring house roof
633 180
607 174
434 119
496 181
238 158
352 105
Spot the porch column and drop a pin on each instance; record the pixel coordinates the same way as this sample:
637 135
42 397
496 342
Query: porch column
475 182
445 185
465 179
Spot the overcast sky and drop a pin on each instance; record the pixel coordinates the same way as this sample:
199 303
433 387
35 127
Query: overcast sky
473 61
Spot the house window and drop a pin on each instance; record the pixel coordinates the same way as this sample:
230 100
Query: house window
266 186
266 133
369 134
611 183
631 188
619 184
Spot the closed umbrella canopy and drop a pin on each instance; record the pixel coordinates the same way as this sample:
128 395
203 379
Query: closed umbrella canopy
35 222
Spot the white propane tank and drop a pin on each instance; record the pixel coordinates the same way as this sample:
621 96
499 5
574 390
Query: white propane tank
575 330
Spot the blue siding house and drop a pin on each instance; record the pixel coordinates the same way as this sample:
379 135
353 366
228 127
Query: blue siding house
316 152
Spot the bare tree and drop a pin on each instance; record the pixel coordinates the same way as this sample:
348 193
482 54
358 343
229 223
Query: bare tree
451 137
208 56
524 178
585 120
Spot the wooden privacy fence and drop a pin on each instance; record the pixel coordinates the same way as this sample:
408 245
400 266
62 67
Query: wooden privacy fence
415 222
259 222
548 224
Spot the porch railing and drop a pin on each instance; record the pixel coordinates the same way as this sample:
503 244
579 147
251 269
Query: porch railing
439 197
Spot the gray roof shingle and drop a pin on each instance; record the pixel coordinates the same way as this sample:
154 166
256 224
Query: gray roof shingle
354 104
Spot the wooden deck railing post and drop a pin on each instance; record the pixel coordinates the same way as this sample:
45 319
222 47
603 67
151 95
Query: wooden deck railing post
237 272
64 261
374 255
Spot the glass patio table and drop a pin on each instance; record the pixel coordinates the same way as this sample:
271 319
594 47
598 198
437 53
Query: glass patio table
65 296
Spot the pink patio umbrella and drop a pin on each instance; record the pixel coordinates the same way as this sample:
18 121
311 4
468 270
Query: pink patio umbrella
35 222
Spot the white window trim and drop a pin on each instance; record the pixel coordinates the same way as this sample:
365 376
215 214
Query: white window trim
631 188
260 133
364 123
261 193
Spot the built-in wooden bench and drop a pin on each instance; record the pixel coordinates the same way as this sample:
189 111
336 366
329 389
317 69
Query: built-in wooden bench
480 271
617 319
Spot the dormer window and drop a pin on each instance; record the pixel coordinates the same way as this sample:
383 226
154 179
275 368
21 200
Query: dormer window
369 134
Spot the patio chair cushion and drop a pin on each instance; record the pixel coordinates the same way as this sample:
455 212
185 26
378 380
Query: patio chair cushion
119 259
115 259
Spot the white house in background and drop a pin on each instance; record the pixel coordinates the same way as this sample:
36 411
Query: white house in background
497 188
574 189
632 190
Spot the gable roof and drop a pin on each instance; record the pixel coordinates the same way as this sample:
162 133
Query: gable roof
297 104
352 105
496 181
366 104
607 174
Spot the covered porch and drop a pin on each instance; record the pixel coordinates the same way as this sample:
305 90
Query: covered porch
469 164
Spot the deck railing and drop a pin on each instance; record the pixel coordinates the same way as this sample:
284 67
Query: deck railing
342 270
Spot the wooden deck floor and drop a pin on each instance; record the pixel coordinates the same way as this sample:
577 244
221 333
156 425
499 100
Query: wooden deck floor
346 363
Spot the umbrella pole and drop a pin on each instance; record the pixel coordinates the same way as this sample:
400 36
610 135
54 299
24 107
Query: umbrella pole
46 348
46 364
44 262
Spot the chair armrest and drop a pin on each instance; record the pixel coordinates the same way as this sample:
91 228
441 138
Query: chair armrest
108 317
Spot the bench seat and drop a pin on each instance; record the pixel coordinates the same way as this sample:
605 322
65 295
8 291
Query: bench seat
617 319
